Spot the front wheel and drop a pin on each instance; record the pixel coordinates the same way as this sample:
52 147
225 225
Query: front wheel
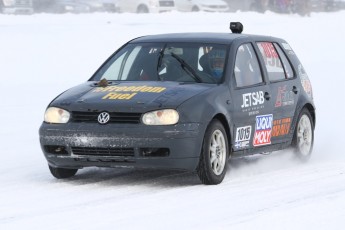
62 173
214 155
304 136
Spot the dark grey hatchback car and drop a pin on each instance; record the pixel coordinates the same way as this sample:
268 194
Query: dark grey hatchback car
185 101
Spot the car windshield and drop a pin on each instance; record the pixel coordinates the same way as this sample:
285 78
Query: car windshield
180 62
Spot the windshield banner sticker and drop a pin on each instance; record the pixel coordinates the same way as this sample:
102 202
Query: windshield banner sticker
263 130
127 92
243 137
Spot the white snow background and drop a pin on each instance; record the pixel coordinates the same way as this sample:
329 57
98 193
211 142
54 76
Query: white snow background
42 55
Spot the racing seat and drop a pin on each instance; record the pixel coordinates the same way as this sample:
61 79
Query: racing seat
204 62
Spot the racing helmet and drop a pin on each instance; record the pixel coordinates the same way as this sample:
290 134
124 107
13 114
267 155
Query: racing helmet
217 61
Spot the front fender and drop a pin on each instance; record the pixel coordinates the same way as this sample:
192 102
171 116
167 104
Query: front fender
204 107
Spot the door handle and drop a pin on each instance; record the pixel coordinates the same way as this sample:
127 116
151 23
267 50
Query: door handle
267 96
295 89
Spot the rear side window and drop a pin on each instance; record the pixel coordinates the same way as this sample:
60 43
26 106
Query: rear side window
273 61
287 67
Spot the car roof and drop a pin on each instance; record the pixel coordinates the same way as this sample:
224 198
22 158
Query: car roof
219 38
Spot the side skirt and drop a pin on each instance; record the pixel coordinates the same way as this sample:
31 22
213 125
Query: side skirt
262 149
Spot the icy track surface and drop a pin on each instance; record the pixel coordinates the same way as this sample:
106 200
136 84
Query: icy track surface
43 55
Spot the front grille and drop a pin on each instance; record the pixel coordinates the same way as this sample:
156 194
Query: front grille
96 151
166 3
91 117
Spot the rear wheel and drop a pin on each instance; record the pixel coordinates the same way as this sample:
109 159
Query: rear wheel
61 173
304 135
214 155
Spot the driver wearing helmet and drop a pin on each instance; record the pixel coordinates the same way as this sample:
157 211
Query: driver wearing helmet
213 62
217 61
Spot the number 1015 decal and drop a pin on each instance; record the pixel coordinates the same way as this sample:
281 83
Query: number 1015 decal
243 137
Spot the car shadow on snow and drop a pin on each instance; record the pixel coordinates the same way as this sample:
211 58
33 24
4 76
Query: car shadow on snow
176 178
128 176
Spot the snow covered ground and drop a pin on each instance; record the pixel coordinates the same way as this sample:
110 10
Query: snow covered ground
43 55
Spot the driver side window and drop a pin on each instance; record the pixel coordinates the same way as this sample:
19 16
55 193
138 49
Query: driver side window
247 70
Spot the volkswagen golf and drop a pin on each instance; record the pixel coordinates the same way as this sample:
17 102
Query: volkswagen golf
189 101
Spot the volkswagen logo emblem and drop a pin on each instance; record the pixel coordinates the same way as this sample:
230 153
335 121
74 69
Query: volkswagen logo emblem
103 118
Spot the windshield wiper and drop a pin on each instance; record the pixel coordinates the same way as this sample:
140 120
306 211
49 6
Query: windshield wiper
160 59
187 68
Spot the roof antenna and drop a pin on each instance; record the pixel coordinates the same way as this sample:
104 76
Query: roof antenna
236 27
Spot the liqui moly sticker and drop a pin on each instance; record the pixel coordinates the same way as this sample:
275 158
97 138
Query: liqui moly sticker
263 130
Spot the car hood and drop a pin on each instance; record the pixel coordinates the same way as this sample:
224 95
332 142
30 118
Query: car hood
128 96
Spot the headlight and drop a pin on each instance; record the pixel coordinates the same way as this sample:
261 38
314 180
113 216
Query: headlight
56 115
161 117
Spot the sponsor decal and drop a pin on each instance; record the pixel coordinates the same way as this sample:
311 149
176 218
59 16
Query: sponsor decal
252 113
263 130
281 127
305 81
284 97
119 96
126 92
252 99
270 55
243 137
253 102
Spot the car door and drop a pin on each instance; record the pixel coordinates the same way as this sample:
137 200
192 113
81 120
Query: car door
252 112
283 86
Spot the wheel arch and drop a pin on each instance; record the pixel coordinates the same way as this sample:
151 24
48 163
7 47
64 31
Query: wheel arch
221 117
300 153
311 110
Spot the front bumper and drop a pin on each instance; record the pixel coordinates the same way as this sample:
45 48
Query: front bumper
74 145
